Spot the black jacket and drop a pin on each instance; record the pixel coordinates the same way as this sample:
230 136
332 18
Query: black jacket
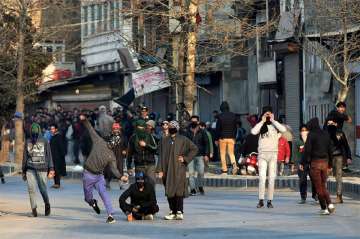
318 145
226 126
146 198
142 157
340 144
201 140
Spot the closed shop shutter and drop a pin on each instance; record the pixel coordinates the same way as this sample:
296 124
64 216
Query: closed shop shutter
292 91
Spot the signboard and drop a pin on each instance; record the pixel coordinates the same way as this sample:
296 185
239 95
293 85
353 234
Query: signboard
149 80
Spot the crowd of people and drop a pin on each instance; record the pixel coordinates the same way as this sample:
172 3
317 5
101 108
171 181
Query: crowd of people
118 144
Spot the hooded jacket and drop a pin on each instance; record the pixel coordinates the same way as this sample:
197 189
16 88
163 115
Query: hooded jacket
226 123
37 156
318 145
100 155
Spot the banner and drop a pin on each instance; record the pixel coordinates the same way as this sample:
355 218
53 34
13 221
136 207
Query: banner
149 80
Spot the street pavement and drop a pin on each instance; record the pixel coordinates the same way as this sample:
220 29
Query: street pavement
221 213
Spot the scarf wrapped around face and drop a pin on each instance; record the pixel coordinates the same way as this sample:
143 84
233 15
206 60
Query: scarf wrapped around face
141 135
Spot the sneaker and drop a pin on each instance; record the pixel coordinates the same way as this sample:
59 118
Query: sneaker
193 192
171 216
56 186
34 212
339 199
260 204
130 217
201 190
269 204
235 169
302 201
107 185
331 208
324 212
47 209
149 217
3 180
95 207
179 216
110 220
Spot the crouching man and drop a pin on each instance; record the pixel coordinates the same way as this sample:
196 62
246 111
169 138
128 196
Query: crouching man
143 204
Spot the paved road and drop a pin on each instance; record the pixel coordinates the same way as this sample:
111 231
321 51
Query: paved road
222 213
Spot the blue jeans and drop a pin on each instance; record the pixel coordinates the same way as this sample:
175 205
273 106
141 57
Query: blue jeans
36 178
91 182
196 165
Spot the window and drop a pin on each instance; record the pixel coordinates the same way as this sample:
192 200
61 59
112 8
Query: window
117 15
92 19
59 54
105 16
312 63
112 10
85 20
99 18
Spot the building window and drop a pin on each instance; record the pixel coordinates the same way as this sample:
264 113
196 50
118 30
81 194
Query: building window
117 15
312 62
105 16
85 21
92 19
112 16
99 18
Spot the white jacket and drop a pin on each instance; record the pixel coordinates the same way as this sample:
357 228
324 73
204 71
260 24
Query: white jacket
270 141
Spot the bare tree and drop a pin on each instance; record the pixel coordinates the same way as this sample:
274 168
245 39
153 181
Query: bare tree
332 33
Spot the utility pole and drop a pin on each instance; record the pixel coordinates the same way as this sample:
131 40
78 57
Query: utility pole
19 129
190 90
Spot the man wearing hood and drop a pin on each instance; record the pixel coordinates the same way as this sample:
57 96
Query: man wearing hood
105 122
225 137
341 155
142 148
268 128
318 153
100 156
143 204
37 165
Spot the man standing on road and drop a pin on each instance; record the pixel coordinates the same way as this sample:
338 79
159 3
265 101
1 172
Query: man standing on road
318 153
37 165
142 148
58 152
225 137
197 165
93 178
176 152
268 129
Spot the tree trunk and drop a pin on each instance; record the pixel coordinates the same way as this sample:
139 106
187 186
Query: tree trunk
190 84
19 129
343 93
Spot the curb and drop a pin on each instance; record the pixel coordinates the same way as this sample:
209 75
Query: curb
350 188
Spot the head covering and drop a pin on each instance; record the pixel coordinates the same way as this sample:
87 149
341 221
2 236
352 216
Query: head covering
151 123
102 108
18 115
140 123
174 124
144 108
116 126
35 128
267 109
313 124
224 107
139 177
165 122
